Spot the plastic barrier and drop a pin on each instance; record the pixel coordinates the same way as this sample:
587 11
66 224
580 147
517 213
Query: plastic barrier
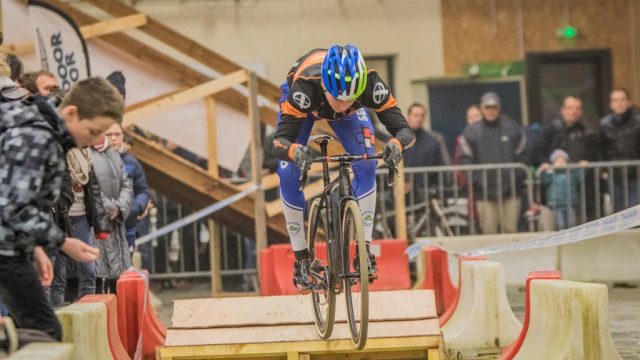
568 320
509 352
44 351
435 276
136 316
444 318
85 326
482 323
111 303
276 267
266 272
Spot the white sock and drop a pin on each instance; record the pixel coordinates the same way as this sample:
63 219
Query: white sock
295 226
367 210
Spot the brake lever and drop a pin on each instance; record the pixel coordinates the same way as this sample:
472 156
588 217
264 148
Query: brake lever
302 181
393 172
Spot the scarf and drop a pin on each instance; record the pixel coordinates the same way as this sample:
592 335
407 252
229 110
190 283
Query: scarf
80 162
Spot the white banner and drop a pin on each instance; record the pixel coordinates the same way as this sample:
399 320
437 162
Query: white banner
620 221
59 43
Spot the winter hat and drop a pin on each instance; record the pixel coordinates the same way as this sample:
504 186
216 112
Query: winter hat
557 153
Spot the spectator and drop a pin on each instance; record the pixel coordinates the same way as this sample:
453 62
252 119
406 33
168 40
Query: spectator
46 83
117 196
85 212
621 141
474 114
34 138
561 189
567 132
426 151
132 167
493 140
135 173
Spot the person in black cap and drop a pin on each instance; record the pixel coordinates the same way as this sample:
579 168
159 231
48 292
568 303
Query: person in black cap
495 139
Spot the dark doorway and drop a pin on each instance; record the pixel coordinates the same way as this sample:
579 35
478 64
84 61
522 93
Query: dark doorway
551 76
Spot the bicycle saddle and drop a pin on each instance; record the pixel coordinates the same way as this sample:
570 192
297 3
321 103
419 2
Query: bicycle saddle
320 138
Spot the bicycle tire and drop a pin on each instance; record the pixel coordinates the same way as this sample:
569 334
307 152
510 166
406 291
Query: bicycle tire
324 304
356 287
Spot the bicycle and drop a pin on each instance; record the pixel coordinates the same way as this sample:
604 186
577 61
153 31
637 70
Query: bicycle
337 214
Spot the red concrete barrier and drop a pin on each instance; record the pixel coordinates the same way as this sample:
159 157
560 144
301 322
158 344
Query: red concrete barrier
437 277
276 267
510 351
111 302
136 316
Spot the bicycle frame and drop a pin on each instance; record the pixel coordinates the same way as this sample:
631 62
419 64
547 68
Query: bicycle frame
334 214
334 238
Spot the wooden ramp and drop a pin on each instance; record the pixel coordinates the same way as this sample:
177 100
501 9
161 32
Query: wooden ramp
402 325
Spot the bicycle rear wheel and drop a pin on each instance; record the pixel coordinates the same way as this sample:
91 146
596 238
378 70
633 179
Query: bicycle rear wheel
356 281
324 299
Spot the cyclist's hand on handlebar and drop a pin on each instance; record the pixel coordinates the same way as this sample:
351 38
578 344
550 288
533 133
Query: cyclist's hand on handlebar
303 156
392 153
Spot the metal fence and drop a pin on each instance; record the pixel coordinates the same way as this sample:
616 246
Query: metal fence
465 200
458 200
440 201
577 193
186 252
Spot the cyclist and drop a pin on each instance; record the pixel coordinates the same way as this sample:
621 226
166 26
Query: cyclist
333 84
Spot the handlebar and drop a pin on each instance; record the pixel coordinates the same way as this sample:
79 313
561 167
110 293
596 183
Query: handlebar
344 158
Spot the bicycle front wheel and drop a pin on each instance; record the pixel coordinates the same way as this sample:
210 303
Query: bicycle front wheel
323 297
356 273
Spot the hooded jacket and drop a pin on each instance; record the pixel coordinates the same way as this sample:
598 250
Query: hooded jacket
33 143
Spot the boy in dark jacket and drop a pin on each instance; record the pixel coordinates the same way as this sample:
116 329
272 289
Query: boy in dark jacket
34 138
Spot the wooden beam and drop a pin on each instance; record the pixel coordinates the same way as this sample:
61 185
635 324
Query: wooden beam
88 32
187 46
212 136
153 99
399 204
172 101
256 168
113 25
18 49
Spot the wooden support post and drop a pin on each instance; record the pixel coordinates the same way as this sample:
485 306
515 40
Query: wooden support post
212 136
256 167
214 258
399 204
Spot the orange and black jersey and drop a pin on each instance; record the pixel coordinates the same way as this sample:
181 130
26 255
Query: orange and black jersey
307 96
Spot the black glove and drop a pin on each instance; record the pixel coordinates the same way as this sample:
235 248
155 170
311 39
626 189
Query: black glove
303 156
392 154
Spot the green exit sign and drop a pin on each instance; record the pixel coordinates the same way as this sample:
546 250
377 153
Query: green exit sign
567 32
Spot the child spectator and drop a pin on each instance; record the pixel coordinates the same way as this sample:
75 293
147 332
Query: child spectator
561 189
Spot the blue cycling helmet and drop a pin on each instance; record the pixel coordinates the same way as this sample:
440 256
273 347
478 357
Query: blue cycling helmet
344 73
